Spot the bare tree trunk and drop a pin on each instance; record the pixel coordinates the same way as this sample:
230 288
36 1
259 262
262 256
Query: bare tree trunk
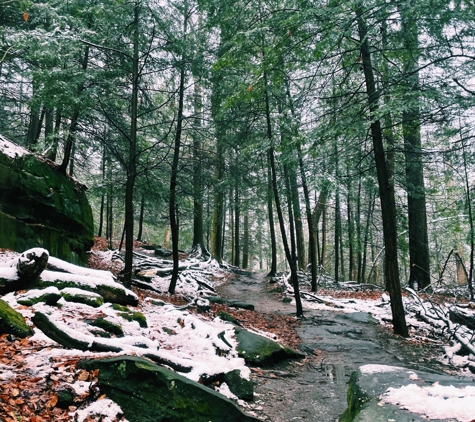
270 211
290 259
74 121
141 216
386 191
173 205
132 158
237 228
245 246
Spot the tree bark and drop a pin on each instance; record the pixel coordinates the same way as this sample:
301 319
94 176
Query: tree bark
74 121
416 198
132 157
386 190
291 261
173 206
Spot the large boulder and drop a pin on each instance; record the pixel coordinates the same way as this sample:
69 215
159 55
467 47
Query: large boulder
41 207
148 392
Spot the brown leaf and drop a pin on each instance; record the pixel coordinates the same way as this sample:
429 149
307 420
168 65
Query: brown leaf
83 375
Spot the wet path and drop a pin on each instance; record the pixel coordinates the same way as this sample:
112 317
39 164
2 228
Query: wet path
336 343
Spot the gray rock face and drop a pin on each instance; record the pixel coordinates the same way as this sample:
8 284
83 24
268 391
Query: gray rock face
369 382
40 207
150 393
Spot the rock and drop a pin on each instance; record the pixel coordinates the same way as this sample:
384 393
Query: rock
148 392
163 252
81 296
110 290
261 351
462 316
40 207
108 326
50 329
11 321
227 317
370 382
32 263
65 399
240 305
240 387
50 296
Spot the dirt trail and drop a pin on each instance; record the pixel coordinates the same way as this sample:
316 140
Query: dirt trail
336 343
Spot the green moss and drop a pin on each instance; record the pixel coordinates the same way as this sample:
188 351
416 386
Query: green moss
87 299
356 399
227 317
11 321
117 307
108 326
48 298
135 316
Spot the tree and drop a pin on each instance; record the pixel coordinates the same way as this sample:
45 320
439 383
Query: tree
386 190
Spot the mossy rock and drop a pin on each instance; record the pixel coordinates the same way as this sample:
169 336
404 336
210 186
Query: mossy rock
108 326
50 296
239 386
148 392
80 296
261 351
41 207
135 316
12 322
227 317
121 308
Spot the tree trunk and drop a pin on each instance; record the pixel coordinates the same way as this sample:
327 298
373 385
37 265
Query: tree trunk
237 228
198 231
337 237
132 158
416 198
142 210
74 121
173 206
291 261
270 211
386 191
245 246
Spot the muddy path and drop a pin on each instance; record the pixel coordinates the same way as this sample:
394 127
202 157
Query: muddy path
315 389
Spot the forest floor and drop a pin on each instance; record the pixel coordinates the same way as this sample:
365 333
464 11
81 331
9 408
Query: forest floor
336 343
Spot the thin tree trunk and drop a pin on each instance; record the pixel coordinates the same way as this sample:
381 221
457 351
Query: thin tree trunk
386 191
173 206
101 211
291 261
245 246
141 216
270 212
337 235
74 121
237 228
198 230
132 158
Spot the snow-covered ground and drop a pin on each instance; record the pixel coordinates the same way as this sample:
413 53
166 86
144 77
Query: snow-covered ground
182 336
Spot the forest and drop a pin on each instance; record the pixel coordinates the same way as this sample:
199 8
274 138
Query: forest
333 136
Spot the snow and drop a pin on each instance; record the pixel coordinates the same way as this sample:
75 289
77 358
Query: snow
434 401
105 409
11 149
376 369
